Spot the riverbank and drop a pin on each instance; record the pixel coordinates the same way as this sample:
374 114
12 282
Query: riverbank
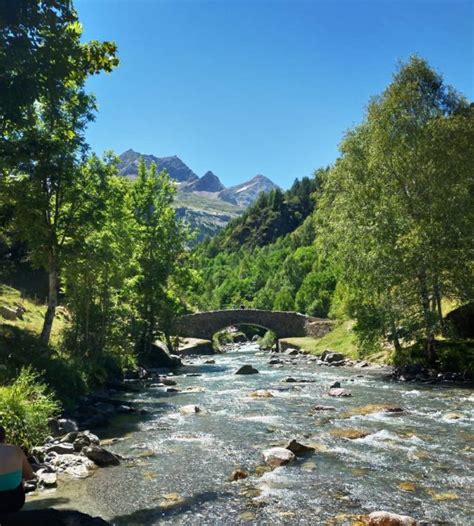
365 457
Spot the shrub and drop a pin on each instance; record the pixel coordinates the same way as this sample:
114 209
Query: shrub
25 407
268 341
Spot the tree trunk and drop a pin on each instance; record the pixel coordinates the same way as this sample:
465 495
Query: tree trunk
439 309
396 341
52 298
429 347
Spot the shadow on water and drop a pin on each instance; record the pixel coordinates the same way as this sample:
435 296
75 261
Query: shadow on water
150 516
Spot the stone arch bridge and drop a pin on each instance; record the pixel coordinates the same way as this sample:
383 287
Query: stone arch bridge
204 325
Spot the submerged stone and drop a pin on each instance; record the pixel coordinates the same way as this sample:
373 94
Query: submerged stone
261 393
339 392
372 408
351 434
239 474
385 518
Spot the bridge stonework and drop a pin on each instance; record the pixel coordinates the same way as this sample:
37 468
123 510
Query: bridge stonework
284 324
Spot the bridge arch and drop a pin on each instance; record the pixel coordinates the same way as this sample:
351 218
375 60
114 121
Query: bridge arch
284 324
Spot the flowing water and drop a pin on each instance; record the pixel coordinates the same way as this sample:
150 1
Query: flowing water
418 462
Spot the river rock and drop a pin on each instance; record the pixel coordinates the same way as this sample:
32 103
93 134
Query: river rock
274 361
101 456
67 425
297 448
349 433
338 392
69 437
324 408
278 456
335 385
453 416
77 466
261 393
362 364
239 474
60 449
11 314
385 518
84 439
189 409
47 479
246 369
330 357
292 352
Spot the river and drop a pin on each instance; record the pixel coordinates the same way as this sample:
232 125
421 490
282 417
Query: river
418 462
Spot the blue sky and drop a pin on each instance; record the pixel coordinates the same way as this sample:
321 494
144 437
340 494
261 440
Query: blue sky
267 87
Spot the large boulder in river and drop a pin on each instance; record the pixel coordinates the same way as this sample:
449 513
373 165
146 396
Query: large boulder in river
385 518
101 456
278 456
331 357
297 448
159 356
246 369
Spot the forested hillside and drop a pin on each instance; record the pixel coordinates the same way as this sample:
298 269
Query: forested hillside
267 258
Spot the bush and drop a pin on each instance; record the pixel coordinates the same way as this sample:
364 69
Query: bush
268 341
25 407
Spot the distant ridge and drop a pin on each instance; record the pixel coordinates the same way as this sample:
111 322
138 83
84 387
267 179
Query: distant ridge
175 167
244 194
203 202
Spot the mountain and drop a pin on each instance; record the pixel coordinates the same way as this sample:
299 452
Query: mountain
244 194
175 167
209 182
203 202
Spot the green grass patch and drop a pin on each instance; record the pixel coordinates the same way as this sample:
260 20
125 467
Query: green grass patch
341 339
32 319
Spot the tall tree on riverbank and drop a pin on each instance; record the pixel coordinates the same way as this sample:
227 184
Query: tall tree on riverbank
159 252
44 112
397 211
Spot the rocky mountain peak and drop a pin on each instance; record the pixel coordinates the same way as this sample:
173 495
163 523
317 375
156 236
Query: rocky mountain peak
209 182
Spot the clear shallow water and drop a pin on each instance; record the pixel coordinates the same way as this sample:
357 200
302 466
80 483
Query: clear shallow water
419 462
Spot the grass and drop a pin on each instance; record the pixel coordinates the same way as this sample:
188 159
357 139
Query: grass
32 319
341 339
20 348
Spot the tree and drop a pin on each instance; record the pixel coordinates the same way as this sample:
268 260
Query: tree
99 266
44 112
396 211
160 253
